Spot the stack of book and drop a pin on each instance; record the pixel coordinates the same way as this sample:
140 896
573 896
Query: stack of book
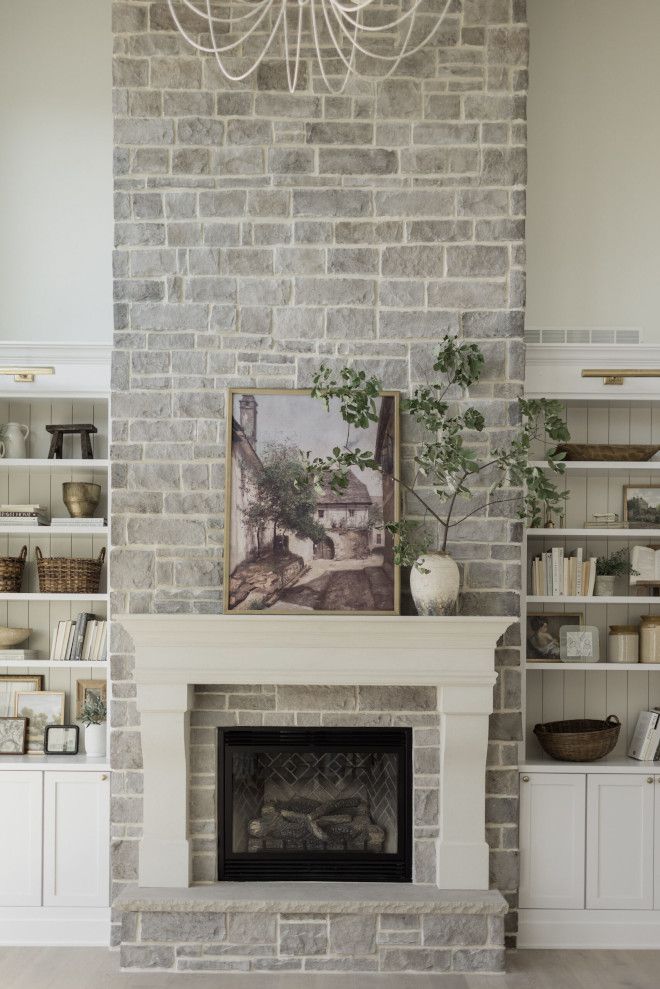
23 515
81 640
83 524
645 744
557 575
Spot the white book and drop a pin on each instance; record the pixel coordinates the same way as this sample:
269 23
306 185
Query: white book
646 560
647 722
557 554
578 572
96 641
21 654
60 638
653 741
592 576
77 523
89 635
102 644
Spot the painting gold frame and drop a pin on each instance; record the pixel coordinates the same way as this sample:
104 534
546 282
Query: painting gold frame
231 392
82 686
565 616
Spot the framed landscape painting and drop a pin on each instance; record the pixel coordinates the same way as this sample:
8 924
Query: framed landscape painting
641 506
292 548
543 635
41 708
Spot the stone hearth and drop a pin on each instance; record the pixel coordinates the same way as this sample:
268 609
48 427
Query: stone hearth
196 673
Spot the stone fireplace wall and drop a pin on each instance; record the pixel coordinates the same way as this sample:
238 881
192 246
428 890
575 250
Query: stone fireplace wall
258 233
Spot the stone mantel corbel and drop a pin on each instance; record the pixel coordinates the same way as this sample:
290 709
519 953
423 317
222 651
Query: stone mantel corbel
174 652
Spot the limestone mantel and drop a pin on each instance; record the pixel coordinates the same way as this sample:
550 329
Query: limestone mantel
456 655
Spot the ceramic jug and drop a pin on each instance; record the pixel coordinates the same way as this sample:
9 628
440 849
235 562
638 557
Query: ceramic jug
14 435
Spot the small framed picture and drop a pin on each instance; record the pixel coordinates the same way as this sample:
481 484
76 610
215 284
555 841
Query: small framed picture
10 685
641 506
13 736
61 739
543 635
85 688
579 645
41 708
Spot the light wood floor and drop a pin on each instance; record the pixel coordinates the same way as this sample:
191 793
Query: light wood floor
96 968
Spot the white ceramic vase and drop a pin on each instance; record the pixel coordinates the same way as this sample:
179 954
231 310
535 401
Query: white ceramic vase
604 587
436 591
95 736
14 435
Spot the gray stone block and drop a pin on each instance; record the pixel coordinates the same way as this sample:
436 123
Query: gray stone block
146 956
454 930
206 927
303 939
415 959
316 698
404 698
478 960
256 928
352 934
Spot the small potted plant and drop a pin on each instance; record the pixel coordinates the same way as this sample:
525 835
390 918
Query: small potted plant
93 716
608 568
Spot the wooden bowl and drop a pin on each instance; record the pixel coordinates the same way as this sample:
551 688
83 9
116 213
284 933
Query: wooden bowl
12 636
634 453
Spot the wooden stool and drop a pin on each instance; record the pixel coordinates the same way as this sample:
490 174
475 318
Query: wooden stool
58 433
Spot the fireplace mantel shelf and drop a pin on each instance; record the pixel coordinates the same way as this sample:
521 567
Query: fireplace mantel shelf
274 649
455 655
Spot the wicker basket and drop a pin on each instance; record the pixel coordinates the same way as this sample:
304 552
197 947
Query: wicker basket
62 575
11 572
634 452
580 740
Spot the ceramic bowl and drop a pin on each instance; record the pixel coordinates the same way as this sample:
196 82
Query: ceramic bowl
12 636
81 498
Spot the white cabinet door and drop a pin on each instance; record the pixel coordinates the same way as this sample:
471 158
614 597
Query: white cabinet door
552 809
620 842
21 818
656 845
76 839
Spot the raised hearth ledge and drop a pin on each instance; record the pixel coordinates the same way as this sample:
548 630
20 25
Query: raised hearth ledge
399 898
175 652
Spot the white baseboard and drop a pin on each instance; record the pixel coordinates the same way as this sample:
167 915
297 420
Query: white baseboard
589 929
52 926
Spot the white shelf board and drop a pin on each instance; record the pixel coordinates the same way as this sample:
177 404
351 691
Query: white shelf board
610 764
57 762
34 463
595 533
62 597
602 667
50 664
49 530
602 467
546 599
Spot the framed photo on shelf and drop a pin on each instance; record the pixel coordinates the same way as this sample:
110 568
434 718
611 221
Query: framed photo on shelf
641 506
61 739
542 635
13 736
41 708
291 548
10 685
85 688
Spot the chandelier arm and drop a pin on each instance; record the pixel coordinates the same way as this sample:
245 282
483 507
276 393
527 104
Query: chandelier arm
349 65
340 89
346 12
257 63
220 49
216 49
396 59
291 83
217 18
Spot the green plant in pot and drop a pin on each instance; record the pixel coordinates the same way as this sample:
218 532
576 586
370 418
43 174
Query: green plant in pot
608 568
93 715
455 473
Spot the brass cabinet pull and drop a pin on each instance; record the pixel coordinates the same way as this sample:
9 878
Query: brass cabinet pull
525 779
104 776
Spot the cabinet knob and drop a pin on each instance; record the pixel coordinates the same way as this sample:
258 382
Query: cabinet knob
525 779
649 779
104 776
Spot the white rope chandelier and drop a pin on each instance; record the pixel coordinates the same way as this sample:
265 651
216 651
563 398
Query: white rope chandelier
341 21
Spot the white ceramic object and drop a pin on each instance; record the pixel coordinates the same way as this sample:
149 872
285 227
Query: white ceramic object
95 737
435 592
14 435
604 587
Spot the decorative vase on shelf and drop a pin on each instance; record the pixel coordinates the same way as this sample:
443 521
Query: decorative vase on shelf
95 737
434 584
604 587
14 435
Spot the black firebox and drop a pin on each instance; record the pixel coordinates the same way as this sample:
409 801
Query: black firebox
315 804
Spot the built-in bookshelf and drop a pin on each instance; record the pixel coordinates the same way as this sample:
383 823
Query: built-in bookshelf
77 392
595 414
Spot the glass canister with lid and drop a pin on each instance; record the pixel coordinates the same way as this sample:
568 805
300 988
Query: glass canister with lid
649 639
623 644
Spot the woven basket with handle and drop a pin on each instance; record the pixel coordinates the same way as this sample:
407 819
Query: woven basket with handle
11 572
64 575
579 740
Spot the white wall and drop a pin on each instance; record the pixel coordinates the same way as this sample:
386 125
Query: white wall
594 164
55 170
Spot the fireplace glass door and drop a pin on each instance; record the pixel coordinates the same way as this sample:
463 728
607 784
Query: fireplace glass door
315 804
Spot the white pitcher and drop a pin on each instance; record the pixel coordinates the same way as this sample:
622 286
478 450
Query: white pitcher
14 435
